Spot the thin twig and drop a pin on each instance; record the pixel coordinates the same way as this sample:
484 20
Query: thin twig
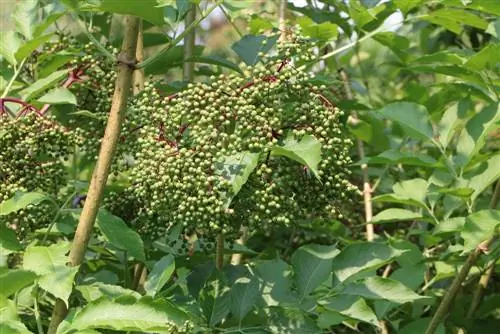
230 20
14 77
189 44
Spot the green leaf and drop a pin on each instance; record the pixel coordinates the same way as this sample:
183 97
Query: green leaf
259 24
13 327
145 9
325 31
244 293
40 85
8 310
20 201
8 239
9 46
486 6
94 291
413 117
50 264
482 181
415 189
453 19
276 282
214 60
86 113
118 234
420 326
129 314
480 226
398 44
27 48
173 58
352 307
398 157
441 57
494 29
312 264
215 300
486 58
406 5
360 257
25 16
249 47
395 214
13 280
359 13
450 225
394 198
307 151
236 169
476 131
160 275
453 118
378 288
60 95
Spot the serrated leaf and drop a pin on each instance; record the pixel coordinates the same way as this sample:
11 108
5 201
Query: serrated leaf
307 151
27 48
361 257
406 5
128 314
236 169
325 31
452 119
396 43
378 288
13 280
480 226
415 189
8 239
359 13
275 275
215 300
398 157
395 214
312 264
13 327
25 16
9 46
413 117
40 85
244 293
145 9
60 95
454 224
453 19
394 198
94 291
476 131
353 307
50 264
118 234
486 58
20 201
479 183
249 47
160 275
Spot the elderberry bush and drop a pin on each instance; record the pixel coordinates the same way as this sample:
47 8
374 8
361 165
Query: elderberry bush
226 154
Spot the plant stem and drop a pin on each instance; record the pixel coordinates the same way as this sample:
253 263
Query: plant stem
106 153
37 313
367 192
139 55
282 20
167 48
14 77
230 20
219 252
448 298
189 43
486 276
58 213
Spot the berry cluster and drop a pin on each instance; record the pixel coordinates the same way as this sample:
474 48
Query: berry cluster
32 153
